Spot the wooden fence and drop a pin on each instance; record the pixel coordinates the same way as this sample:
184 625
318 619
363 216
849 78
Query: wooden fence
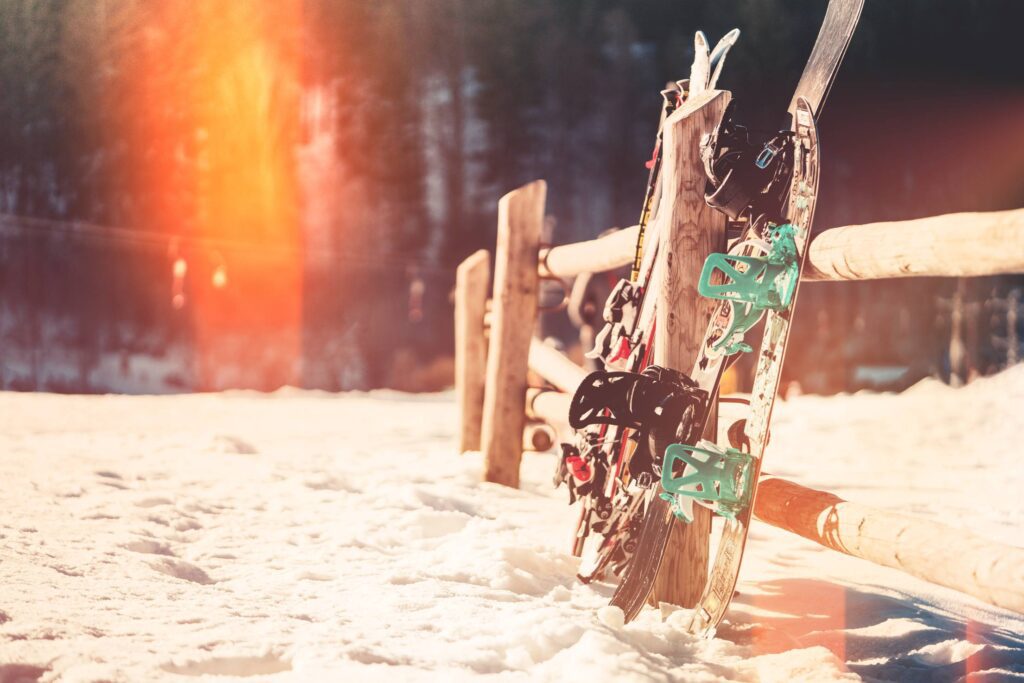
495 349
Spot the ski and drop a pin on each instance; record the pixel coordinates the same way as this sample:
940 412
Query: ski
837 28
589 466
767 261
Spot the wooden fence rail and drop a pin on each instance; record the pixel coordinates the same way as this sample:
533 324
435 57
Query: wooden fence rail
953 245
940 554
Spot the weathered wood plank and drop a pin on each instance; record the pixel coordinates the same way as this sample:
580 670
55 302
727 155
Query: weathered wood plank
520 220
471 280
695 231
951 245
539 437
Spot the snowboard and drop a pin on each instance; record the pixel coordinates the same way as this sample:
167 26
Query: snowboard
661 511
724 573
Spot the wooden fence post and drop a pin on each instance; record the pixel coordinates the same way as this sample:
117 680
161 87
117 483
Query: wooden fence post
471 280
694 231
520 220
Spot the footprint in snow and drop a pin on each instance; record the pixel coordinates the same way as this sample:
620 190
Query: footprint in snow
232 445
186 523
66 571
21 673
325 482
230 666
153 501
421 496
149 547
181 569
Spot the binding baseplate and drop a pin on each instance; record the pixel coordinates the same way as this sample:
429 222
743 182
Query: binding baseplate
712 477
752 284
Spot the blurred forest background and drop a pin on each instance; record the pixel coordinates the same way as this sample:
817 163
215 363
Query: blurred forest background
215 194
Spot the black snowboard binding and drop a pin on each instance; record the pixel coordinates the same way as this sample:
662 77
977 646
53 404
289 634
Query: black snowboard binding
661 406
748 174
640 401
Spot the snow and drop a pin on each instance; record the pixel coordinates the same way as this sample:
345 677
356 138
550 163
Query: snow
305 536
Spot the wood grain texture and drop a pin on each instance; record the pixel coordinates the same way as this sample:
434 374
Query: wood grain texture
520 220
555 367
695 231
471 280
592 256
539 437
929 550
953 245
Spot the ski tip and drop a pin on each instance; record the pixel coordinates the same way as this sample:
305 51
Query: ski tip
700 42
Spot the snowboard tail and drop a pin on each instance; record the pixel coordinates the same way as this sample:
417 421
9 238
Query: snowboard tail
724 574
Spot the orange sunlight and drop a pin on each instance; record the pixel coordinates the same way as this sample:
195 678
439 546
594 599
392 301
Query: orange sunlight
220 82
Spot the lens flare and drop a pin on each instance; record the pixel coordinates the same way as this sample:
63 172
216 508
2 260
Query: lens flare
215 90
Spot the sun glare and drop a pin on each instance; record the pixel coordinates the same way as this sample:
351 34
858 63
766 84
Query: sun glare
219 85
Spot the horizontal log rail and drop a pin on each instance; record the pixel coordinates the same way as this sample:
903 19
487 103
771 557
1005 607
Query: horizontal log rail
554 366
937 553
952 245
593 256
548 405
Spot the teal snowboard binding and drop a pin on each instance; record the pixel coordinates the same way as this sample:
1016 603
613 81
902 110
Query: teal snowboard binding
717 479
753 284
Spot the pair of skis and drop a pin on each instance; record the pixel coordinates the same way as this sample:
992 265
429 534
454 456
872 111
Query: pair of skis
737 470
597 462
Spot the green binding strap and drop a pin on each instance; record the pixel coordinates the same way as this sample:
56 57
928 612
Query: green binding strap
753 284
717 479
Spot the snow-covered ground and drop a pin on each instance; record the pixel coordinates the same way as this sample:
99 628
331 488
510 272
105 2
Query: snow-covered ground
304 537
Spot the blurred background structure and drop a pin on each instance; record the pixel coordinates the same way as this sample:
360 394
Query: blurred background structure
217 194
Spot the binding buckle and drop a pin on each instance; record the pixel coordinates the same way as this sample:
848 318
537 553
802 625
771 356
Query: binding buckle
767 154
